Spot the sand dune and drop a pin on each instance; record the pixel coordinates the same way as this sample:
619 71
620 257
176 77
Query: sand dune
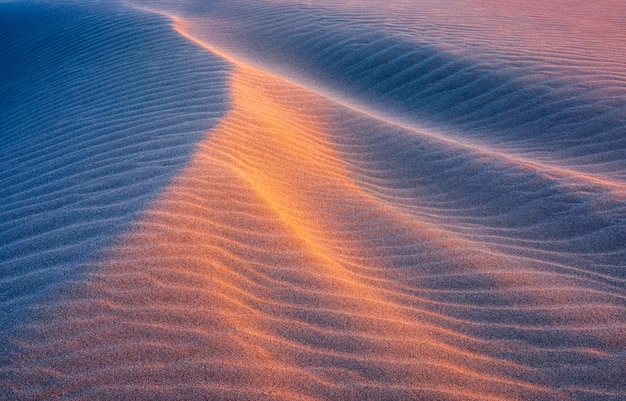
97 116
282 200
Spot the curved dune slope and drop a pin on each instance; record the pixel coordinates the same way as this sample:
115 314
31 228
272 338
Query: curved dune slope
283 262
453 232
100 106
441 73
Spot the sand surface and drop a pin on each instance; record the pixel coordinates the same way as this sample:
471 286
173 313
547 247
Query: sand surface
298 200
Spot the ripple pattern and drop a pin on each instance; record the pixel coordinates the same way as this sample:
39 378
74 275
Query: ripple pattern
97 114
366 217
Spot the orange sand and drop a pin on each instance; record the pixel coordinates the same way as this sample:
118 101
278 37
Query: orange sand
267 270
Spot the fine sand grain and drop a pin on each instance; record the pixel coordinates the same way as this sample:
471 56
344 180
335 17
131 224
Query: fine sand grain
294 200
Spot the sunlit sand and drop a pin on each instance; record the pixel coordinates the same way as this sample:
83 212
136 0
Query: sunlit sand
299 201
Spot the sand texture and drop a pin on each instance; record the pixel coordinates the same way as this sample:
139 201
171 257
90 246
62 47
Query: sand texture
303 200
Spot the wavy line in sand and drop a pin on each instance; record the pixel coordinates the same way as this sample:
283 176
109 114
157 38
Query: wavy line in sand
97 114
566 176
266 270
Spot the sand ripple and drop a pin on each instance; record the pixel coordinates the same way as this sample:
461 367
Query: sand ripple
365 217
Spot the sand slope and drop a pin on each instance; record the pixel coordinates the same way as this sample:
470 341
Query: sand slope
365 216
97 114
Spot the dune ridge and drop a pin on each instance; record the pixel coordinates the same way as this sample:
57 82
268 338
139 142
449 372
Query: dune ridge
537 103
526 161
316 245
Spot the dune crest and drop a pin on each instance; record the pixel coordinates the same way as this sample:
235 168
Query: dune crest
319 245
265 270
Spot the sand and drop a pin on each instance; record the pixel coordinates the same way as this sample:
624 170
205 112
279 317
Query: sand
298 201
